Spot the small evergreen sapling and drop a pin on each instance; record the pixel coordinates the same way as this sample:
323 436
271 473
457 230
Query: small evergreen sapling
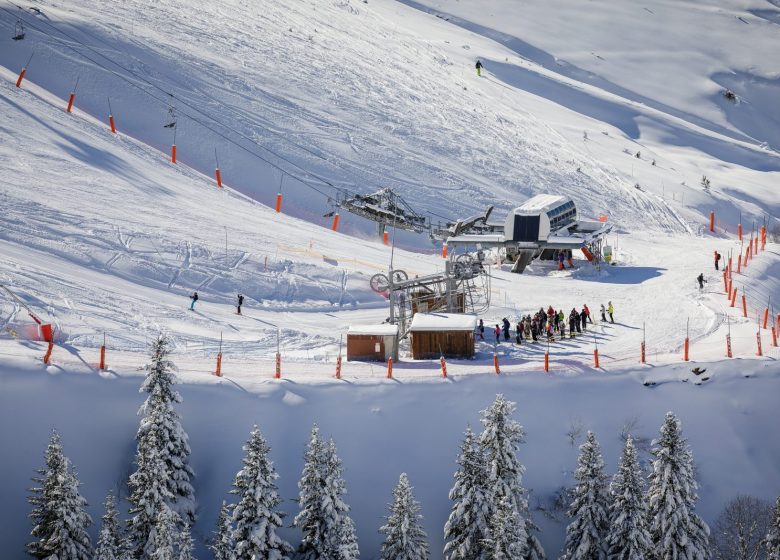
164 535
586 534
508 540
255 517
110 545
59 518
405 538
222 544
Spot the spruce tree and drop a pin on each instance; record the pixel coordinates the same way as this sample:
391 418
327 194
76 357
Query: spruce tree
628 538
59 518
162 475
185 544
773 535
675 529
159 414
255 518
405 538
222 544
164 535
328 532
508 540
500 441
586 534
468 526
110 545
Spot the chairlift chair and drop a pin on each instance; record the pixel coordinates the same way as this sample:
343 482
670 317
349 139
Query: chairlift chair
18 31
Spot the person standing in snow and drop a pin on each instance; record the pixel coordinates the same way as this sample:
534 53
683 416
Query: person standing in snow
519 332
506 325
497 332
717 260
478 66
610 310
587 313
194 298
700 279
603 314
481 329
583 319
240 303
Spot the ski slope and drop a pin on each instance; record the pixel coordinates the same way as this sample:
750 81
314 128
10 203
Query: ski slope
103 236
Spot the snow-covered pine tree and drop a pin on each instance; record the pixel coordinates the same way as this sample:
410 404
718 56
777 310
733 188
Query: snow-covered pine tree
222 544
586 534
534 551
508 537
149 494
158 409
675 529
500 441
773 535
328 532
185 544
628 538
164 535
468 527
59 519
405 538
110 545
255 518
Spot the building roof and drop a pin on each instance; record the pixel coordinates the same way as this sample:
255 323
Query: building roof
443 322
542 202
385 329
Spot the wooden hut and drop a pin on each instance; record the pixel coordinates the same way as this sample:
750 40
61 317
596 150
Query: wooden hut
442 334
372 343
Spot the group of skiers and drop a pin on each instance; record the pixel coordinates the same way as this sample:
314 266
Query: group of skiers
547 324
240 301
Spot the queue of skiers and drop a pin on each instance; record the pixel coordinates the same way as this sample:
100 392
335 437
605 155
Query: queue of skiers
546 324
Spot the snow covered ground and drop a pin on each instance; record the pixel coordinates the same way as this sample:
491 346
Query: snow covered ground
103 236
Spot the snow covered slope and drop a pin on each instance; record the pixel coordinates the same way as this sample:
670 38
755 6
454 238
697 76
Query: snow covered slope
102 235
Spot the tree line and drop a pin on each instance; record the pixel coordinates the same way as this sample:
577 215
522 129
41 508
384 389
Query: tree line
489 519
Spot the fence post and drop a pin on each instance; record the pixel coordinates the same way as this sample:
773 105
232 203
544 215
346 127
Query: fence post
774 336
596 358
744 303
218 371
444 250
278 202
390 368
338 367
335 225
758 343
173 153
642 353
495 363
278 370
386 238
712 220
21 77
546 361
739 232
71 99
443 367
47 356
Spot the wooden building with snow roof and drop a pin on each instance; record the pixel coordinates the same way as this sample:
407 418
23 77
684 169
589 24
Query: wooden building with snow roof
442 334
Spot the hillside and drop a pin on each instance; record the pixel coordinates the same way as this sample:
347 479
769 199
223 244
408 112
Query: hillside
105 237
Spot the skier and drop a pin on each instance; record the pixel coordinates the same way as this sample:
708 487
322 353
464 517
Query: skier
240 303
587 313
478 66
481 329
506 325
610 310
577 321
498 334
700 279
583 319
717 259
194 298
572 321
519 333
560 260
603 314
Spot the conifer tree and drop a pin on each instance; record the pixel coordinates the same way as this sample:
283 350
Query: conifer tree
255 518
328 532
675 529
110 545
628 538
773 535
405 538
586 534
222 545
185 543
159 414
164 535
508 537
162 471
468 526
59 518
500 441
